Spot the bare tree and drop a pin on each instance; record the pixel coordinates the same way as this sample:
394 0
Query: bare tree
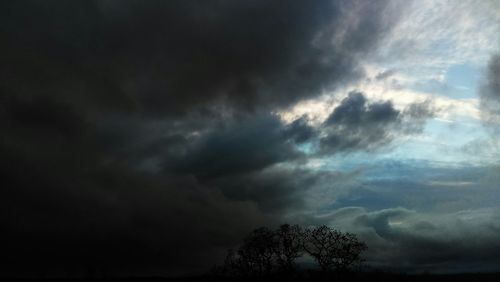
349 252
257 252
288 245
264 251
232 265
333 249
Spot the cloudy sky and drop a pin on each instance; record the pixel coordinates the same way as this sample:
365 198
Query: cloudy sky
147 137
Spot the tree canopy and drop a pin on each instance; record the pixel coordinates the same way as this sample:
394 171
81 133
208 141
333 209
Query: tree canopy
266 251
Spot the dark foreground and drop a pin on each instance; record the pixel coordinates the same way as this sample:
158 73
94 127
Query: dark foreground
369 277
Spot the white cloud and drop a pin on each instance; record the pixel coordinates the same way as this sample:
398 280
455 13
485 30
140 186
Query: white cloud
436 34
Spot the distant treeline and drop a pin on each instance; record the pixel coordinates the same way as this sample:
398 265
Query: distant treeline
265 252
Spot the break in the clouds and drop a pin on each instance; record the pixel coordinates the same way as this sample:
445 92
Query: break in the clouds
145 138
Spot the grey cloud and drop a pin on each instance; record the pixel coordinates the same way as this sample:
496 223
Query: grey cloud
439 244
300 131
285 190
385 74
379 219
234 148
490 93
354 110
404 240
357 124
276 190
415 115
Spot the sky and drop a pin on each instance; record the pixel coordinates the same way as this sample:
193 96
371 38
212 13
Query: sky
148 137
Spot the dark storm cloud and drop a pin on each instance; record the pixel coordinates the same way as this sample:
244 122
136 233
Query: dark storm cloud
300 131
166 57
357 124
128 127
236 148
283 190
73 219
41 114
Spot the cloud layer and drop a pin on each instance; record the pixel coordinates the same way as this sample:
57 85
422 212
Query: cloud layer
402 239
142 137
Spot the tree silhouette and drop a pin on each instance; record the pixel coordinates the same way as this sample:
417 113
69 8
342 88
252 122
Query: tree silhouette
349 252
333 249
257 252
265 251
289 242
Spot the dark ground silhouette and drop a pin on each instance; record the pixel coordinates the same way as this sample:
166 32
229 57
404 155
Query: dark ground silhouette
270 255
370 276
